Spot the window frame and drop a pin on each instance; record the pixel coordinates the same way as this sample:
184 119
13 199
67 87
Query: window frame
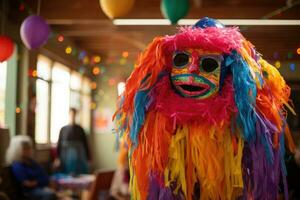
49 83
3 123
79 91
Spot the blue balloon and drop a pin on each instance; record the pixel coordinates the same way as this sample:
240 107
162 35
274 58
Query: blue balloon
208 22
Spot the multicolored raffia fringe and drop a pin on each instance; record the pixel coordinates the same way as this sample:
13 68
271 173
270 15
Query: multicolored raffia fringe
228 146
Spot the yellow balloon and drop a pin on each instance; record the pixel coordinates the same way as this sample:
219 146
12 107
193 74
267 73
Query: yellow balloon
116 8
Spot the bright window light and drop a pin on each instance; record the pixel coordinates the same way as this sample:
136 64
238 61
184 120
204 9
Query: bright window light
60 100
42 100
121 88
85 114
3 67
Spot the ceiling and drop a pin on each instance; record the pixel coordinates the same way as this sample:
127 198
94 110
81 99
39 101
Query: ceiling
83 22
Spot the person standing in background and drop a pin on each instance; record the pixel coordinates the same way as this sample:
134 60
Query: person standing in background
72 148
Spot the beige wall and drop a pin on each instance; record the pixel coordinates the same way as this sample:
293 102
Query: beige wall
104 154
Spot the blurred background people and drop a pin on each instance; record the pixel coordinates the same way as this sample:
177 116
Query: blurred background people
31 177
72 148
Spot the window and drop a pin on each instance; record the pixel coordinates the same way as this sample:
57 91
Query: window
3 66
42 98
60 100
81 99
75 85
85 115
57 89
121 88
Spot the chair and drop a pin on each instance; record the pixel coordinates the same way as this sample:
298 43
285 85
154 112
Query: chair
102 183
4 138
9 185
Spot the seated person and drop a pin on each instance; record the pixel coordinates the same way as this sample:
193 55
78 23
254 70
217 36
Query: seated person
28 173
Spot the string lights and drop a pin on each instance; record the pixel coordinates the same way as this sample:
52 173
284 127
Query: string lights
277 64
298 51
60 38
96 70
93 85
68 50
97 59
125 54
18 110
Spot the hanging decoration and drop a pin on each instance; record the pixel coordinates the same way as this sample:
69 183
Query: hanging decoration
96 70
60 38
21 7
32 73
125 54
277 64
116 8
81 55
68 50
6 48
34 32
6 44
18 110
74 52
93 85
111 81
97 59
123 61
290 55
275 55
174 10
86 60
82 69
298 51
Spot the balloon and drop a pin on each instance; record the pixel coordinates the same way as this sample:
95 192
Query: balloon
116 8
34 32
6 48
208 22
174 10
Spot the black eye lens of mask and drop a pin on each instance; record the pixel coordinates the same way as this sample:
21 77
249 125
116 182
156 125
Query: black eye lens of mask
209 64
181 59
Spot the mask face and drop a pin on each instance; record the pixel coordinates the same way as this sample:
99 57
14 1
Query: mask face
196 73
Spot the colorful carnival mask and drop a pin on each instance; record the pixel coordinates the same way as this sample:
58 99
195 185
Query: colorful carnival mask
196 73
204 118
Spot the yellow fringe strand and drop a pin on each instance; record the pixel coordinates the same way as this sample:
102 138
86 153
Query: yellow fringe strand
220 176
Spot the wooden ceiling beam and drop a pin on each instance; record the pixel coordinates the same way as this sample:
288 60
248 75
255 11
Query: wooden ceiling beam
83 9
84 22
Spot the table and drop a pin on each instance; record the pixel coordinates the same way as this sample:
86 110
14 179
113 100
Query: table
78 185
